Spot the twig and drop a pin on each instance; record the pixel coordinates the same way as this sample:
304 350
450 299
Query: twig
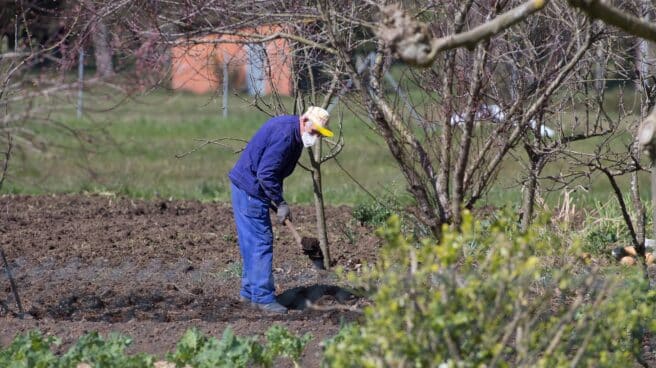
364 189
248 38
12 283
625 212
339 307
453 348
5 165
510 328
213 141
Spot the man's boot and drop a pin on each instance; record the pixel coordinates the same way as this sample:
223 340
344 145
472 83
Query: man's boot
273 307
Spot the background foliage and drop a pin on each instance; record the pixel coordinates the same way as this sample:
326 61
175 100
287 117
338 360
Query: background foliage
493 296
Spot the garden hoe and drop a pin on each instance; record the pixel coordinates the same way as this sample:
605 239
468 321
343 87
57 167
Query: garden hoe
309 246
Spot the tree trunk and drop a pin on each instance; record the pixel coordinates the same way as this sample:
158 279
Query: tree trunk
102 51
315 161
528 201
653 195
642 65
640 211
599 70
467 136
101 48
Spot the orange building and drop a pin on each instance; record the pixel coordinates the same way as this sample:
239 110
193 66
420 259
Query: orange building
259 68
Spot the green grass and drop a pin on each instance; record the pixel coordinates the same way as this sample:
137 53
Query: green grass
130 147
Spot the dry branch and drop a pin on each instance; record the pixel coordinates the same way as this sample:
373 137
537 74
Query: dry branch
412 42
647 134
604 11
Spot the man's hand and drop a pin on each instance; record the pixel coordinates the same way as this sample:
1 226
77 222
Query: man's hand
283 213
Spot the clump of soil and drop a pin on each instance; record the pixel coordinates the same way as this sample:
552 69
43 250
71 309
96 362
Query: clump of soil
312 248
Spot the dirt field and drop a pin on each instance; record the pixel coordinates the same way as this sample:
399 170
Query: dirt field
152 270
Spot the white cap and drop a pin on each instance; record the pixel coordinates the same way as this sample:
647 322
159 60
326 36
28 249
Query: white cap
319 119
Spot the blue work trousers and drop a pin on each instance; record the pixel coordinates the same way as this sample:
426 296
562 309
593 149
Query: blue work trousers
255 245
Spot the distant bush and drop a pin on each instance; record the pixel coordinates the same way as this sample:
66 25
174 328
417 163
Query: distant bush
603 228
511 302
598 241
372 213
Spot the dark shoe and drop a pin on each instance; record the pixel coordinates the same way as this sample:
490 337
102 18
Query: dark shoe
274 307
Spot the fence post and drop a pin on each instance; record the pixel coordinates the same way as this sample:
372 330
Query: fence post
80 79
225 84
15 34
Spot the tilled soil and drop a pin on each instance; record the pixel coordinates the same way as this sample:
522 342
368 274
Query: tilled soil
153 269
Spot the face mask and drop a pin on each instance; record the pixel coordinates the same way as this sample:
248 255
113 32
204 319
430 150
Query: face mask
309 140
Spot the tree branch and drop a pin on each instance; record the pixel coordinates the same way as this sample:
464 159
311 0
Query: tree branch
625 211
604 11
486 30
246 38
532 110
412 42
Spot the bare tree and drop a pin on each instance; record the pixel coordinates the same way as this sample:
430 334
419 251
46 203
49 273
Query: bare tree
100 37
468 58
451 162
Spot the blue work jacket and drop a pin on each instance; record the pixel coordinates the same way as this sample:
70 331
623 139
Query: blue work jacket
269 157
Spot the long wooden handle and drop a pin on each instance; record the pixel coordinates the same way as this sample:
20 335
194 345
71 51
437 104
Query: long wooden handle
291 228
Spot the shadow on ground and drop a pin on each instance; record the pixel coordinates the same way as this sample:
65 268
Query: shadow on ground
302 297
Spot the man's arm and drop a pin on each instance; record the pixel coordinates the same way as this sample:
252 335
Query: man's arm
270 169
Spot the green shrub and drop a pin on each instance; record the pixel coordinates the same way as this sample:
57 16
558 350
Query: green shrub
604 227
597 241
372 213
512 303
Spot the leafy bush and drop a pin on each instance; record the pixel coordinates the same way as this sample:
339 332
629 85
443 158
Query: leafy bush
597 241
372 213
512 302
604 228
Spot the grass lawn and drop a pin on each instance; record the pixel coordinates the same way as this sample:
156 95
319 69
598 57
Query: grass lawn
129 147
